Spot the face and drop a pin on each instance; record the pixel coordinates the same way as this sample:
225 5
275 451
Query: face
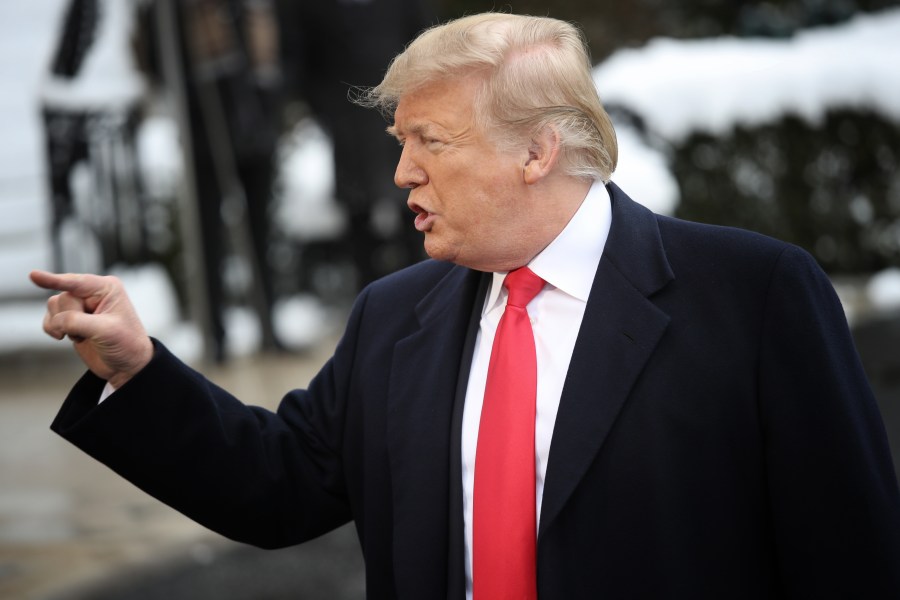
470 200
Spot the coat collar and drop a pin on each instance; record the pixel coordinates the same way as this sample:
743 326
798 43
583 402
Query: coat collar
423 383
619 333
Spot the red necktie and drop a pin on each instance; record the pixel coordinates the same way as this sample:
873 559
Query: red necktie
504 562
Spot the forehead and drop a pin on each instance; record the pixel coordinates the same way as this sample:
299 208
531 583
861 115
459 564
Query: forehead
446 104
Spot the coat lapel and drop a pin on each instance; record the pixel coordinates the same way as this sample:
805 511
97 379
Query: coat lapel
423 382
619 333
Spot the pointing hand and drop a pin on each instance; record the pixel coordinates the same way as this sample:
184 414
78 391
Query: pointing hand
97 315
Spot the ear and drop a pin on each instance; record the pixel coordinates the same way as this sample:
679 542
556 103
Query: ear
543 155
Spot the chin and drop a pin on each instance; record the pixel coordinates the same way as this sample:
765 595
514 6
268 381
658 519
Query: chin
436 250
450 253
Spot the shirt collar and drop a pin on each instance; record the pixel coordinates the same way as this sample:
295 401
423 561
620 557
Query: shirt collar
570 261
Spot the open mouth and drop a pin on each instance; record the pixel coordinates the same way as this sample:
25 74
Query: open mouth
424 219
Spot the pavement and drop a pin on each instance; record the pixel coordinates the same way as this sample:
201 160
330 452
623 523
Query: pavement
70 529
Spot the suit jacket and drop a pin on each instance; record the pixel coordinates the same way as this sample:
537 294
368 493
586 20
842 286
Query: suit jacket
716 435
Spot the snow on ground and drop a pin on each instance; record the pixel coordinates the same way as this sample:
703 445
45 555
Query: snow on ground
643 172
308 210
883 290
711 85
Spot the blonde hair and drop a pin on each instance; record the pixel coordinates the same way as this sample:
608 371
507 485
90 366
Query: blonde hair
537 73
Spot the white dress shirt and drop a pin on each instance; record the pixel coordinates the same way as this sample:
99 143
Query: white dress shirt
568 265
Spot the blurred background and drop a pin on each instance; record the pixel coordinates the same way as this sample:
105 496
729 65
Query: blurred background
205 151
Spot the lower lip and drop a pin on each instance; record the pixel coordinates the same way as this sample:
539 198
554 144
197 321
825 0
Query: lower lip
424 221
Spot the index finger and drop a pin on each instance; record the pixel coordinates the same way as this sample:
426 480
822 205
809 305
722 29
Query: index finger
77 284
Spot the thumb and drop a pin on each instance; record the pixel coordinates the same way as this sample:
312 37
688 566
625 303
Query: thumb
77 325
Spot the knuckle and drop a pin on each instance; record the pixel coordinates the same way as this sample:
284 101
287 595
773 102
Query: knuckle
110 284
68 301
52 328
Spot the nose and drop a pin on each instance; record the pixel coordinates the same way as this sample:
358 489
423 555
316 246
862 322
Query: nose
409 174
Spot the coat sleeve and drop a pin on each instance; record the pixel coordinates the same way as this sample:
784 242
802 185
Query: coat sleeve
834 498
264 478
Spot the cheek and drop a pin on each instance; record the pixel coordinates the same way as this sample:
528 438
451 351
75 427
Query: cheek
492 202
478 201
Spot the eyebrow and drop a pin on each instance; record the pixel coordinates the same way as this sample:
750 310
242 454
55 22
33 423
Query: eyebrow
419 129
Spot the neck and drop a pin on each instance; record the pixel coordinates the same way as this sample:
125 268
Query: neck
557 204
550 208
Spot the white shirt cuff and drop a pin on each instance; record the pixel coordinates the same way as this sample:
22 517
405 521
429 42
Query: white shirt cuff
108 389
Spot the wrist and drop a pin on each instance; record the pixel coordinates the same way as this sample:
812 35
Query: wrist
142 358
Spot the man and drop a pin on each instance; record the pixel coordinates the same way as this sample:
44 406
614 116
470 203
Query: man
702 425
